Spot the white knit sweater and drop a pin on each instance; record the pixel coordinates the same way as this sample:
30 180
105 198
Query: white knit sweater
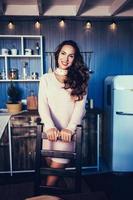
56 107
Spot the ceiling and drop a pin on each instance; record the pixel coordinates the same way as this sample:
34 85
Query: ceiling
85 8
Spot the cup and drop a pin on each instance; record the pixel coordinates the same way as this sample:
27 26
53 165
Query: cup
4 51
28 51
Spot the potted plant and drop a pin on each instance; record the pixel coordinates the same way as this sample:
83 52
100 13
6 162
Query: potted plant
14 104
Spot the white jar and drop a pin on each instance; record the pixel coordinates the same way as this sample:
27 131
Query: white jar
14 51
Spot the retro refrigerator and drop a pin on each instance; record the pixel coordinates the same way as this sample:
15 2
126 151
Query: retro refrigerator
118 136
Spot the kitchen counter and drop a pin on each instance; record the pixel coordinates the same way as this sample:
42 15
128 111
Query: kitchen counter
4 119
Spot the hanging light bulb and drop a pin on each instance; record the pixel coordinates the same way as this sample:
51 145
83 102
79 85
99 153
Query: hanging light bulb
88 25
113 26
37 25
62 23
11 25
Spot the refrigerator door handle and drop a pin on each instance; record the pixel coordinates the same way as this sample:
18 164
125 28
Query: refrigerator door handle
123 113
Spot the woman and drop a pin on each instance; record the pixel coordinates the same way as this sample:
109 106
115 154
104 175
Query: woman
62 97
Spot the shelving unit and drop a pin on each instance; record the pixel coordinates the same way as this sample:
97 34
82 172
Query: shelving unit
27 53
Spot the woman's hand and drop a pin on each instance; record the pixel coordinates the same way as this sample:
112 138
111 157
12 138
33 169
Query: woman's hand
52 134
66 135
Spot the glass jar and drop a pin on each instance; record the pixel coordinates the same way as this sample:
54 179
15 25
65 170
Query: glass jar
32 101
13 74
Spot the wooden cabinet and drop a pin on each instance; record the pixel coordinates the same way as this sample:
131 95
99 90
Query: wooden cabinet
18 144
92 140
4 152
23 135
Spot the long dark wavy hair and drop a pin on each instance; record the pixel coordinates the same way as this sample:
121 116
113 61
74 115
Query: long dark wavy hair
78 73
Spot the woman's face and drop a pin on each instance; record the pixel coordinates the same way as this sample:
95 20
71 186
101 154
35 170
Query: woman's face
66 57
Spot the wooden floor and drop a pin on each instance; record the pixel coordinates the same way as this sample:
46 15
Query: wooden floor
117 186
94 187
19 188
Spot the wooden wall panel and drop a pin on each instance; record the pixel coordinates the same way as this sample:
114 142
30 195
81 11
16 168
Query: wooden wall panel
113 50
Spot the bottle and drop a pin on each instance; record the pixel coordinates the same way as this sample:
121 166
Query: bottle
25 70
91 103
37 48
32 102
3 74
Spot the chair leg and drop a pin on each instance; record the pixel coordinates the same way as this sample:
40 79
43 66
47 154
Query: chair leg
38 159
78 183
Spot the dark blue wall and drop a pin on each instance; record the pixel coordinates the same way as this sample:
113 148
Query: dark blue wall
113 50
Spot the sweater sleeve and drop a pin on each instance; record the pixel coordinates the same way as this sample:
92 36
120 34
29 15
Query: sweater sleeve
43 106
78 113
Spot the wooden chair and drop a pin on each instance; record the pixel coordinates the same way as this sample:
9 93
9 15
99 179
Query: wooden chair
74 171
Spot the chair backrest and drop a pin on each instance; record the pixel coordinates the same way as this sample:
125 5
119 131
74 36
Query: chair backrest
68 171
